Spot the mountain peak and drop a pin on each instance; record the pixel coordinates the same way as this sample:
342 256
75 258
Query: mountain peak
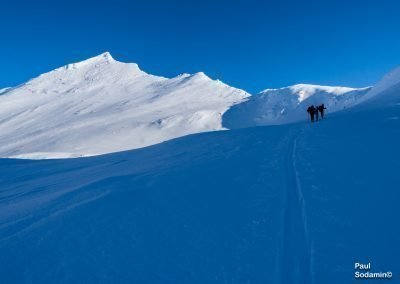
200 76
311 89
106 56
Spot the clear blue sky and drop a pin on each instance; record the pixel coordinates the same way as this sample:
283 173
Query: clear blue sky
249 44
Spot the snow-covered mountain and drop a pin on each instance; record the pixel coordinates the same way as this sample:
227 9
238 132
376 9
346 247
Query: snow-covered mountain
289 204
101 105
289 104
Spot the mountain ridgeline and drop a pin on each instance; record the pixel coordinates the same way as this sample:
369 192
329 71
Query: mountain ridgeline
101 105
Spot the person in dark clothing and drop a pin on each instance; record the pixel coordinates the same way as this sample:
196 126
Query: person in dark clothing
311 111
321 109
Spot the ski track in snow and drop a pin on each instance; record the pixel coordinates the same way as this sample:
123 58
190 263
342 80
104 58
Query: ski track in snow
296 247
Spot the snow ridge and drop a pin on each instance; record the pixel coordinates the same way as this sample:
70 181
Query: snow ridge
386 89
289 104
101 105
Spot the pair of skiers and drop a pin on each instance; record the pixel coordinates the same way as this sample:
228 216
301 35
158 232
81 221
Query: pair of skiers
315 111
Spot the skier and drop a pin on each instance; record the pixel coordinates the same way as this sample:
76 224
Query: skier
321 109
311 110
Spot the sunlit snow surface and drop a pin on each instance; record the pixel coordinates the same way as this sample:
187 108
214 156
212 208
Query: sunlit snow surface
102 105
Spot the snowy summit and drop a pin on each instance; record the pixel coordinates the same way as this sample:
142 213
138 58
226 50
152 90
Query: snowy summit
101 105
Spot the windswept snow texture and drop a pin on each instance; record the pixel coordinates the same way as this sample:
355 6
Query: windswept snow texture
101 105
295 203
287 105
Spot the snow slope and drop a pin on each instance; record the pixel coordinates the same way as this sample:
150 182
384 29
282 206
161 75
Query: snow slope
101 105
386 91
295 203
289 104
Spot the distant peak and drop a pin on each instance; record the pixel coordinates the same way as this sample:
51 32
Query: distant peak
195 76
319 87
200 75
313 88
105 56
101 58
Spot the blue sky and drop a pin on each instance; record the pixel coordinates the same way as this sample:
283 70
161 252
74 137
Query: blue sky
249 44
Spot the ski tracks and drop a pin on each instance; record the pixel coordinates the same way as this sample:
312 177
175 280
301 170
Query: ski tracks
296 265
